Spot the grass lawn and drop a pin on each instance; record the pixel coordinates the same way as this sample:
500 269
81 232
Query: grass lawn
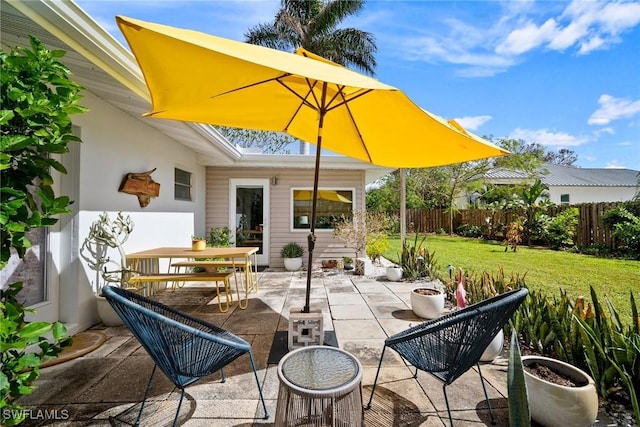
546 269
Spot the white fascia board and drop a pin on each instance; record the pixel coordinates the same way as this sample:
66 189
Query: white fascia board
301 161
71 24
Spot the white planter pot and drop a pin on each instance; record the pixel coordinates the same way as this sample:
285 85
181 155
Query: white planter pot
427 306
292 264
107 314
494 348
554 405
394 274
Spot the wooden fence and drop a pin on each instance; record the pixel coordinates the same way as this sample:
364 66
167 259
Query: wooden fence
589 231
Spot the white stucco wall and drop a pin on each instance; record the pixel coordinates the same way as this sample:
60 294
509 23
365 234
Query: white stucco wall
115 143
592 194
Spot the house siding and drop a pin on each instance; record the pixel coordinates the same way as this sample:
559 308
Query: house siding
217 205
586 194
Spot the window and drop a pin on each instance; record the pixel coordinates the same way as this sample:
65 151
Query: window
182 189
564 199
332 204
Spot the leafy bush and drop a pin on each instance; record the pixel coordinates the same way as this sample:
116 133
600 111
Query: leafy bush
416 260
20 363
625 226
562 228
219 237
377 244
468 230
37 99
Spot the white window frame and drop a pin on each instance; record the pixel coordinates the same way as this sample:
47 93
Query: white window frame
318 230
190 186
568 202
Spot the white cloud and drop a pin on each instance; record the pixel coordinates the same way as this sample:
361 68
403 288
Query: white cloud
601 131
493 47
612 108
529 37
472 122
625 144
549 139
614 164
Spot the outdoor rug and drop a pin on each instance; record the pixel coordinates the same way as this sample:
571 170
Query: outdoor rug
280 345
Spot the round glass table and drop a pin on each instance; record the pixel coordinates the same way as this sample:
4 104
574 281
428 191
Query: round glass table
319 386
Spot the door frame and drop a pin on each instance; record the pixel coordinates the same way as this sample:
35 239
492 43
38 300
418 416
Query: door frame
265 183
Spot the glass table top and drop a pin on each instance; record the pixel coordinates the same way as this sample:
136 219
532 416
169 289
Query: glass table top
319 368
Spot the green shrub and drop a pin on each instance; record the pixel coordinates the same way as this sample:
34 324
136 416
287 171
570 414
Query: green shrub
562 228
220 237
467 230
291 250
377 244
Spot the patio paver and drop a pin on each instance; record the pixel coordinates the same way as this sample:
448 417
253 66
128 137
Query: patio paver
110 381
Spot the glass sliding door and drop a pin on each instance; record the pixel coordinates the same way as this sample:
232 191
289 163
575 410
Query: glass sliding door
249 215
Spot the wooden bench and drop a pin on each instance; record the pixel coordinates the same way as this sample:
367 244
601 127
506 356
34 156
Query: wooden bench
221 264
195 277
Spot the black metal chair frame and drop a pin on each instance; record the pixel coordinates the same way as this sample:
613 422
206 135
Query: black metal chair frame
185 348
450 345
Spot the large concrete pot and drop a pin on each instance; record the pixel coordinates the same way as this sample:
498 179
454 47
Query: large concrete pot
427 303
293 264
554 405
107 314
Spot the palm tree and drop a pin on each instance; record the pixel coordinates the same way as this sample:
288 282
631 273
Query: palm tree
312 24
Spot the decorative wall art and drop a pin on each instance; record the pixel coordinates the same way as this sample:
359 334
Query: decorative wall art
141 185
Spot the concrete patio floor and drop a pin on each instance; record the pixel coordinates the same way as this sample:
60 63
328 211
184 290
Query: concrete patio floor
110 381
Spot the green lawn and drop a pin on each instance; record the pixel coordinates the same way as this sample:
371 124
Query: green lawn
545 268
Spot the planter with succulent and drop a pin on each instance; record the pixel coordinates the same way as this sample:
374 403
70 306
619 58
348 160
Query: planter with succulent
348 262
105 234
560 394
292 253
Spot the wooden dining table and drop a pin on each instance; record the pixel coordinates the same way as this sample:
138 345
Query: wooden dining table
245 257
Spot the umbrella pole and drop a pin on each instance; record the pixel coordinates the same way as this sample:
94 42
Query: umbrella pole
311 239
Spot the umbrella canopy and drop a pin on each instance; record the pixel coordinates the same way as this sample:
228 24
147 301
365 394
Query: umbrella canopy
201 78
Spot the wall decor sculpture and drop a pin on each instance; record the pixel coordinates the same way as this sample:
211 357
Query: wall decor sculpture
141 185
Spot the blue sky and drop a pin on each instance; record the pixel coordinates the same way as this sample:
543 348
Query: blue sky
560 73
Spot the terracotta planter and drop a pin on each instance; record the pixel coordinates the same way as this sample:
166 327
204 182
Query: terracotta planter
425 304
554 405
293 264
494 348
394 274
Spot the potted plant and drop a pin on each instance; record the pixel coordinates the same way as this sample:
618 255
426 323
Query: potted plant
198 243
105 234
329 263
560 394
348 262
292 254
428 301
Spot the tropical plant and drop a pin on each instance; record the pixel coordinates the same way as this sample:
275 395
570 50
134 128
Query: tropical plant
625 226
416 260
562 228
291 250
313 25
377 244
37 100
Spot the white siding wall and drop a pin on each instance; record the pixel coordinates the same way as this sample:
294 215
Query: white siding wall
115 143
592 194
326 247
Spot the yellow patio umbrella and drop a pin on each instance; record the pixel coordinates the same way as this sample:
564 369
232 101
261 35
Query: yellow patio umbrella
201 78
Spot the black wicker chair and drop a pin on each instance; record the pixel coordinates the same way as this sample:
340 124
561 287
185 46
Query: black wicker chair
450 345
183 347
